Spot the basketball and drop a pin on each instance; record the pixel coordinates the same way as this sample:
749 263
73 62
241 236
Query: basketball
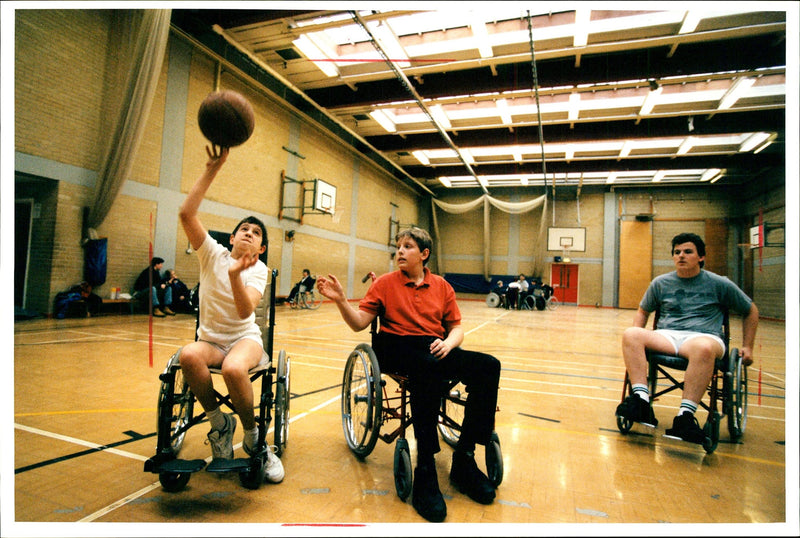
226 118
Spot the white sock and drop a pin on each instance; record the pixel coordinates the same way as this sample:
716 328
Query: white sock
642 391
216 418
251 437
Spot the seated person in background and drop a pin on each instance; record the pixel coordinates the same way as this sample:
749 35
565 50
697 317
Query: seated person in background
305 284
228 337
420 334
517 291
180 293
691 302
161 294
500 290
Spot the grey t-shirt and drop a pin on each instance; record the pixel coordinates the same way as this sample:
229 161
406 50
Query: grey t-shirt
694 304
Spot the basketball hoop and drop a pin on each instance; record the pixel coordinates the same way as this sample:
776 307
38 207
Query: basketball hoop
566 246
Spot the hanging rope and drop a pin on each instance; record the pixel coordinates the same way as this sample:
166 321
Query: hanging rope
539 114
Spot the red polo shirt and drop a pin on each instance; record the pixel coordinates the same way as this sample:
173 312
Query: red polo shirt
406 309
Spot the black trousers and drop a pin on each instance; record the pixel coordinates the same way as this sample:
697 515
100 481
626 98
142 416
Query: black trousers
410 356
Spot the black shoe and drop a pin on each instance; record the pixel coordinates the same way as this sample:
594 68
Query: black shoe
636 409
465 475
686 428
426 498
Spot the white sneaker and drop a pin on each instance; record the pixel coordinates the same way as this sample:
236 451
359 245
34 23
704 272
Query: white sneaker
222 441
275 471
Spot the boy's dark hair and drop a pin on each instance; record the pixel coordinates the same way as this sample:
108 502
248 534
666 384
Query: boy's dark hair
691 238
421 237
155 261
253 220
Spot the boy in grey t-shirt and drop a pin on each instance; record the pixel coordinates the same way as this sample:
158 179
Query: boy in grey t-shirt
691 302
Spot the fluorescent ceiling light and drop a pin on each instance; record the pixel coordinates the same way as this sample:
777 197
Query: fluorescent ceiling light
650 101
659 176
626 148
421 157
382 117
444 180
315 55
690 22
733 94
686 145
710 173
612 177
441 118
390 44
753 141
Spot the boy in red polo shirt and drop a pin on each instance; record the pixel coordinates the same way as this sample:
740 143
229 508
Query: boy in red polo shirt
420 334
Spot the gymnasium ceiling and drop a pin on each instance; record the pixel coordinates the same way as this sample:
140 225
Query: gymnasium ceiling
447 99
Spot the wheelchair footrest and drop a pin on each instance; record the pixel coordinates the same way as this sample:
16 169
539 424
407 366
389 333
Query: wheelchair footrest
181 466
227 466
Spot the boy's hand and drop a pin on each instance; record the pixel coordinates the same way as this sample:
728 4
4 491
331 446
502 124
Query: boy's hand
330 287
440 348
242 262
216 158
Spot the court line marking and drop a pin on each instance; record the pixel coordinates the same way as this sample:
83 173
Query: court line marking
80 442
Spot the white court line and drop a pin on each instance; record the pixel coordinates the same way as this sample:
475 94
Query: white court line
80 442
133 496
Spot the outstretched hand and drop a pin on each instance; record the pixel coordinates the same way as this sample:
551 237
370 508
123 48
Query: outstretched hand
217 156
330 287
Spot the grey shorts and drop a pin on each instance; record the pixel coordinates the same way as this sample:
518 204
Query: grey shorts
678 338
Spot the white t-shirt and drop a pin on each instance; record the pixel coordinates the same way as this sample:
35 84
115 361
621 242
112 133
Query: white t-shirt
219 321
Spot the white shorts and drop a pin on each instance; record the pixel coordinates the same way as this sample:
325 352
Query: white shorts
678 338
226 348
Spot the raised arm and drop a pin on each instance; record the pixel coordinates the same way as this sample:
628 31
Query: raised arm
194 229
358 320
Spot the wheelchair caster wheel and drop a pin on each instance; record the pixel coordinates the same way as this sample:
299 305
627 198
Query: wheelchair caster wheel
494 460
403 473
711 431
174 482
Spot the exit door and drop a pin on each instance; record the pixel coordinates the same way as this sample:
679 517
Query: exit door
564 279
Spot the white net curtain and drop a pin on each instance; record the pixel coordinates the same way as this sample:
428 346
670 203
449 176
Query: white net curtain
486 201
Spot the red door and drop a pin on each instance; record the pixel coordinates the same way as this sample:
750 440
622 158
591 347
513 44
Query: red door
564 278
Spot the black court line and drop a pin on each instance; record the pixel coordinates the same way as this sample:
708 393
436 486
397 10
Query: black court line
541 418
135 437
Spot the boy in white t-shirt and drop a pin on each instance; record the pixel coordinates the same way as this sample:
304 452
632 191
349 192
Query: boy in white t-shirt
231 283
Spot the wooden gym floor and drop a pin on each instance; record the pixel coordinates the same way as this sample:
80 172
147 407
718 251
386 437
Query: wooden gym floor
85 417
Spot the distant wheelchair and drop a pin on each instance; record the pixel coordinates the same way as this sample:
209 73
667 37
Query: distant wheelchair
541 299
727 391
176 413
367 405
307 298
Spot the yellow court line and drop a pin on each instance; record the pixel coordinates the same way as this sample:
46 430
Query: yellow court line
85 411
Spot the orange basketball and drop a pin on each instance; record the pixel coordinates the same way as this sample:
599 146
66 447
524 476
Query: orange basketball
226 118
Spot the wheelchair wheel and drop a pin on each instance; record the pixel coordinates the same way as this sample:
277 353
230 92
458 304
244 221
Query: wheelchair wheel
282 399
362 396
737 395
494 460
541 303
711 429
175 405
452 414
174 482
403 472
552 303
311 300
492 300
530 302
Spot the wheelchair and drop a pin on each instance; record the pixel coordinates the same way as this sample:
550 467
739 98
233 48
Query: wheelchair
727 390
307 298
176 413
368 405
540 299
